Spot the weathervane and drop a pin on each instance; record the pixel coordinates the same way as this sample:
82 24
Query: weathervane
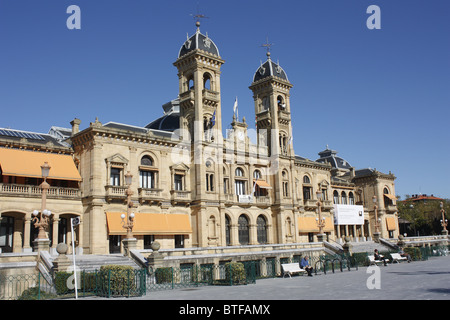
267 45
198 16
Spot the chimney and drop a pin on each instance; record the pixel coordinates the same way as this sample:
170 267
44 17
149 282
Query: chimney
75 126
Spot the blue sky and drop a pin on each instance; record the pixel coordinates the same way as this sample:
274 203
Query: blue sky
379 97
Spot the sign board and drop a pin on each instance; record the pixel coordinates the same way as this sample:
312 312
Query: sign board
245 198
348 214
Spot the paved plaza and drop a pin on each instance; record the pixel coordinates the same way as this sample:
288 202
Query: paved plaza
418 280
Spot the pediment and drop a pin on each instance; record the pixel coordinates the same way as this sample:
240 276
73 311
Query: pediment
117 158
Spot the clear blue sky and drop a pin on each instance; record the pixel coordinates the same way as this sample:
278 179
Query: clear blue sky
379 97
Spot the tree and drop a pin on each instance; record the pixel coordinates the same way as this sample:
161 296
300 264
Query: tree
423 216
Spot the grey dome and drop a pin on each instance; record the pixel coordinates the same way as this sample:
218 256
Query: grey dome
170 121
330 156
198 41
269 69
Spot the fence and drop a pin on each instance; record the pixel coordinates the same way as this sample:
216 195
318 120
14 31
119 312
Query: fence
114 281
103 283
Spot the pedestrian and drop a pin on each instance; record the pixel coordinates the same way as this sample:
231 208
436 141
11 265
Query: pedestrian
404 254
304 264
379 257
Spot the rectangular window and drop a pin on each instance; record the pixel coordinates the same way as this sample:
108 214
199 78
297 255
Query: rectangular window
148 240
239 187
146 179
115 177
209 182
178 182
179 241
306 193
225 185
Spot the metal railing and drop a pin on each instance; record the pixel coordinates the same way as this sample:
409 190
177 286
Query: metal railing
137 282
104 283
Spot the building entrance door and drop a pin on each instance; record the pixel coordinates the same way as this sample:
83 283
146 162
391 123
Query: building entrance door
6 234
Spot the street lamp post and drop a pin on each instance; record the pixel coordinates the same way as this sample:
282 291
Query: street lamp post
41 219
443 221
129 242
320 221
376 234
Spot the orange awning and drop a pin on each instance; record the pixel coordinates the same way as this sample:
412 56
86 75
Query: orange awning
24 163
262 184
309 224
390 196
150 223
391 223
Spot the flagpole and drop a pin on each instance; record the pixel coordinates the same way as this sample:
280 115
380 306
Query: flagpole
73 258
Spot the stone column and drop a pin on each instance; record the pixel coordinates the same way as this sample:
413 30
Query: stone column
26 233
55 226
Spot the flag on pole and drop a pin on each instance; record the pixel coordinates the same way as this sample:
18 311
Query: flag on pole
235 108
290 140
213 119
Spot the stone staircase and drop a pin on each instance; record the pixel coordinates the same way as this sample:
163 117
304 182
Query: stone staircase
368 246
91 262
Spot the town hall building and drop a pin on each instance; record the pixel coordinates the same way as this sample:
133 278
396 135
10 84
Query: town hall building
192 185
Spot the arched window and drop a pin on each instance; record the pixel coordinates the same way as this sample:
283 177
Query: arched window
190 83
147 175
239 182
207 81
146 161
280 103
351 198
285 183
257 174
261 229
344 197
387 200
335 197
244 231
307 188
227 230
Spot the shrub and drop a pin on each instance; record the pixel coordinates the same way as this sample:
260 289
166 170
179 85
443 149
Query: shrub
86 281
120 280
360 258
235 272
415 253
163 275
34 294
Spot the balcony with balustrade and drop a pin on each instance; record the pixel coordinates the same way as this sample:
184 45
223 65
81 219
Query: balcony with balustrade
35 191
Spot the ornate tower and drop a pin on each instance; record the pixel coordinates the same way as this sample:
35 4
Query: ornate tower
198 67
272 107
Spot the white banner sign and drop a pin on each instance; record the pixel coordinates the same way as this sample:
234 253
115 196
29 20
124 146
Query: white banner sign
244 198
348 214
